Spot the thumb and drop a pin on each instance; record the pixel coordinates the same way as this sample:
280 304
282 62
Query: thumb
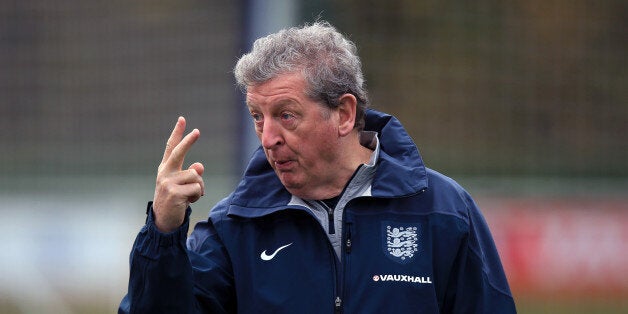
198 167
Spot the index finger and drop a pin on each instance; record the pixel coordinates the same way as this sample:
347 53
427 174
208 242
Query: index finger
174 139
175 161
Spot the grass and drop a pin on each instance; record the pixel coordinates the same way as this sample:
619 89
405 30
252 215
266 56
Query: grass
582 305
537 305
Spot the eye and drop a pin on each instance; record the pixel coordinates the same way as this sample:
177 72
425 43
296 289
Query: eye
286 116
288 120
256 117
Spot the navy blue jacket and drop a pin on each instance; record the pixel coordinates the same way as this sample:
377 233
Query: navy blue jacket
418 244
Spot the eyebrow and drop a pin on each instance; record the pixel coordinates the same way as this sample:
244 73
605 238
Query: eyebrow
281 103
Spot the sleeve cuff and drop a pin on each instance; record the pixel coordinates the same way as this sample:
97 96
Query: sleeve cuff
151 242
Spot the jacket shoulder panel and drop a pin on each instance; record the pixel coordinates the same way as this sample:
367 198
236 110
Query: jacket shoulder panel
448 196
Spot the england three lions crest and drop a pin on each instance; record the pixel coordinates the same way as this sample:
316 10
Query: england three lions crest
400 241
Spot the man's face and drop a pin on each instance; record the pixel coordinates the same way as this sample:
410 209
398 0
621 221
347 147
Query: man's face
299 135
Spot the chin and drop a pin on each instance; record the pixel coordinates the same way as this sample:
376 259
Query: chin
295 189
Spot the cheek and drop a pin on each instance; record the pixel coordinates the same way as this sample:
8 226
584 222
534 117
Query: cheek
317 148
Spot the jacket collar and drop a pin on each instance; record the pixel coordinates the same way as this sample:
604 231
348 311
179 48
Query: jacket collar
400 172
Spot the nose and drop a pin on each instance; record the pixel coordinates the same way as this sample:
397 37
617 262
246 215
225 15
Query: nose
270 136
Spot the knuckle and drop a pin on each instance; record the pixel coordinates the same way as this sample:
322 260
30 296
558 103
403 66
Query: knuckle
161 180
169 189
193 172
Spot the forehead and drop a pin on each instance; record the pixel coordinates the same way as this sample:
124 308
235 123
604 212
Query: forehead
282 87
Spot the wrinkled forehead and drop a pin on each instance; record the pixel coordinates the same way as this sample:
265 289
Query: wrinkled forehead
285 92
290 85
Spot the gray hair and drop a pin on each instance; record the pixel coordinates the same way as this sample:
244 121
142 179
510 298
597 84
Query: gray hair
327 60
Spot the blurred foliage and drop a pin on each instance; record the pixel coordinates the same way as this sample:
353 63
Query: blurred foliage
96 87
500 88
485 87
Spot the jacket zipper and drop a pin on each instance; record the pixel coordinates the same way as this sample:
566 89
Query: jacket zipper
334 260
348 241
346 252
330 218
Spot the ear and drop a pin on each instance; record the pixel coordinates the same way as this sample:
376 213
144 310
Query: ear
346 114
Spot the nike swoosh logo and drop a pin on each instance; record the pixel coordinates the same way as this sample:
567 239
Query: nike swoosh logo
267 257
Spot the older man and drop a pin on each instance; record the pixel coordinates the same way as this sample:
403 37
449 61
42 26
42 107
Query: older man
335 212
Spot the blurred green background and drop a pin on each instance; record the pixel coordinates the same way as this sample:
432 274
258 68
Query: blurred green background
518 99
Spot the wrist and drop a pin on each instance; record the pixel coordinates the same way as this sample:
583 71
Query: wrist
166 225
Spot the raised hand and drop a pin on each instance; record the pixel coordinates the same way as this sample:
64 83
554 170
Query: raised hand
175 188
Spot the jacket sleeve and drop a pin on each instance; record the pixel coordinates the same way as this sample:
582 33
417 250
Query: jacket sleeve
478 284
166 277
